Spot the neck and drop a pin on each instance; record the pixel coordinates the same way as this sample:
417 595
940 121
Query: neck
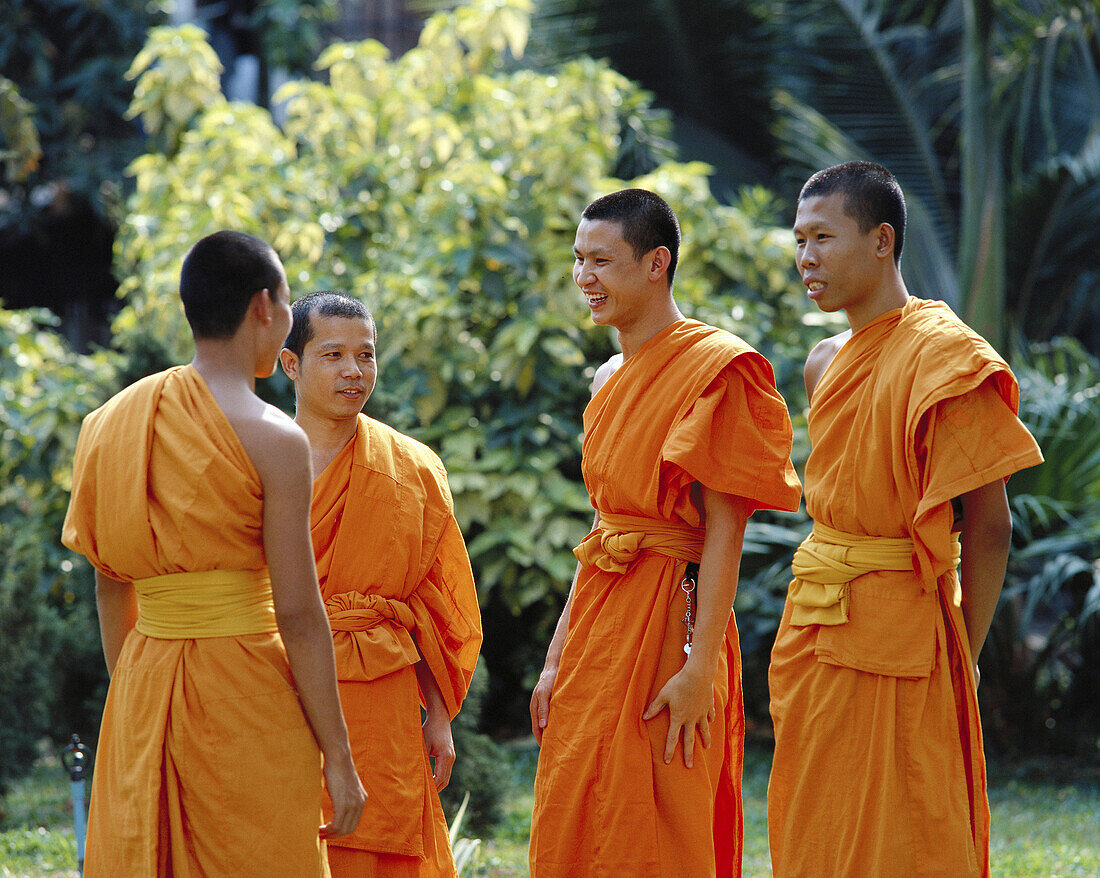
634 336
327 436
889 294
221 361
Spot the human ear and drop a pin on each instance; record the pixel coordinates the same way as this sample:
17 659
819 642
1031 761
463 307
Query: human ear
884 240
289 361
263 306
660 260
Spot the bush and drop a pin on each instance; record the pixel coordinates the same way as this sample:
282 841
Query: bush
52 675
1040 688
444 188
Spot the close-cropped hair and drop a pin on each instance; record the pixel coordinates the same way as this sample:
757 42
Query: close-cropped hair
646 220
220 275
871 196
324 303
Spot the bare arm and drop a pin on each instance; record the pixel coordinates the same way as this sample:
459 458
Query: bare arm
284 468
689 694
986 537
438 740
544 689
116 604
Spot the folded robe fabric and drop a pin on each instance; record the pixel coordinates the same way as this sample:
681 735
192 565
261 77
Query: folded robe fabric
694 404
878 766
397 585
199 733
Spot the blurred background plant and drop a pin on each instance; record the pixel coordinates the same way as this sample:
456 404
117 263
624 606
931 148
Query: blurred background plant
443 186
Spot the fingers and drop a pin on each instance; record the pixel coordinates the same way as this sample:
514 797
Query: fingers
540 711
443 765
659 703
671 740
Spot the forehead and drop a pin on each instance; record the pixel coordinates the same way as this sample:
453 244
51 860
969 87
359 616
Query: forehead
822 210
599 235
329 330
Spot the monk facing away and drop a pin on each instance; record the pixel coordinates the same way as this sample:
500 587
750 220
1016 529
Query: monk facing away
638 709
398 589
878 767
191 499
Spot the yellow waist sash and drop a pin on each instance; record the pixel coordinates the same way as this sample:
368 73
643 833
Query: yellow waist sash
618 539
207 603
827 562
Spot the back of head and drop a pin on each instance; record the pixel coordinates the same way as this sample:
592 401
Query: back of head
871 196
646 220
324 303
220 275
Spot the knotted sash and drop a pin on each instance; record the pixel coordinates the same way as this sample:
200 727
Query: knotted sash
618 539
372 635
827 562
206 603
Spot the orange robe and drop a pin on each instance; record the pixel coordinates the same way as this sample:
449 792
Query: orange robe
694 404
206 764
878 765
397 586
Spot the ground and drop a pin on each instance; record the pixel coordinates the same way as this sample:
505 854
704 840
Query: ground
1043 826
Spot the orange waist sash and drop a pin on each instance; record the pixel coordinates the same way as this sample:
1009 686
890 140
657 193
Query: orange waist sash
619 539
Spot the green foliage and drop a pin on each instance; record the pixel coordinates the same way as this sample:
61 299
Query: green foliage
46 596
20 149
988 114
480 774
67 60
444 188
1040 678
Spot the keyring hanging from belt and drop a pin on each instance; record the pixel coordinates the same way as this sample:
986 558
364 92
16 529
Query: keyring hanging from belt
688 585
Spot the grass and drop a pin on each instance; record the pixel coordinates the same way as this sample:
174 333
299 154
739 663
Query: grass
1044 823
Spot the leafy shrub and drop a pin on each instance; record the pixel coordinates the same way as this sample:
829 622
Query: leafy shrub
1041 665
51 669
444 188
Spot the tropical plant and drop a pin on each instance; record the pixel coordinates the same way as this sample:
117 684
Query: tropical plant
1040 679
52 675
989 114
444 188
67 58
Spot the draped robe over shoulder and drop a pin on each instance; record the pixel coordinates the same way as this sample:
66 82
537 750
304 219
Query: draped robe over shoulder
878 766
397 585
205 764
694 404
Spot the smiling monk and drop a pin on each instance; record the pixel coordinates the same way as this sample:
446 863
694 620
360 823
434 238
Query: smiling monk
638 708
191 500
878 767
398 589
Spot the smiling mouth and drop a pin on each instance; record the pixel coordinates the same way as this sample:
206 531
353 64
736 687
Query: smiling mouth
595 300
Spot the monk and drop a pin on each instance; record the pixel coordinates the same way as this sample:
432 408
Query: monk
191 500
638 709
878 765
397 585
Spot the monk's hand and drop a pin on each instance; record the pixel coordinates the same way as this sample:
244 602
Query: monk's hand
977 675
540 701
689 697
440 745
347 794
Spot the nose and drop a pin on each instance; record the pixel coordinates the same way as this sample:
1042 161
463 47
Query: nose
582 274
351 368
807 258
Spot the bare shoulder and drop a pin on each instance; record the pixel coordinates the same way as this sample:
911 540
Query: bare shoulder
820 358
606 371
276 445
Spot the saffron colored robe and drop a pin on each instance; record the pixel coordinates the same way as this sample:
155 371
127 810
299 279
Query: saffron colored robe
878 766
205 763
694 404
397 585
